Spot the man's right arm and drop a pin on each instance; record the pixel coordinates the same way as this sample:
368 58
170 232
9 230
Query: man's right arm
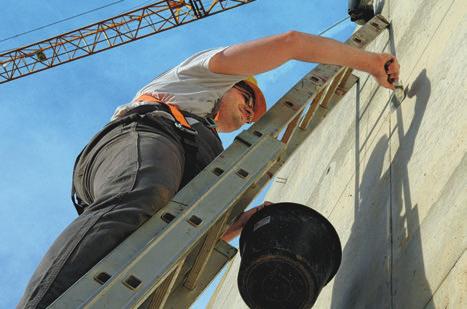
267 53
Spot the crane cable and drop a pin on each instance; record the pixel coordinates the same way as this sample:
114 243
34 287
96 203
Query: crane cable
334 25
60 21
111 4
69 18
116 2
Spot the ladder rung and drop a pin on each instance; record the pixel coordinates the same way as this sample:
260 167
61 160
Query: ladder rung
160 296
311 110
205 253
181 297
337 86
347 74
332 89
290 129
300 135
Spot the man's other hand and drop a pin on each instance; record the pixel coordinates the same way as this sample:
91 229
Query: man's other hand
236 228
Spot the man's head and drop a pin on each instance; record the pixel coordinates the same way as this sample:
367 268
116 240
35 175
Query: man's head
243 103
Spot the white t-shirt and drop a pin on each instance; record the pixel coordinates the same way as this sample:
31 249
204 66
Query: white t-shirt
190 85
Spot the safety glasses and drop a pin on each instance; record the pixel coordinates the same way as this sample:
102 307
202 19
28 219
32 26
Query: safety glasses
249 100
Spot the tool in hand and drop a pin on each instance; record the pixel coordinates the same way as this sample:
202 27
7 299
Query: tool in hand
399 91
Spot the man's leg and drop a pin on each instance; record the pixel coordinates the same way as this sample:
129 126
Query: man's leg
130 179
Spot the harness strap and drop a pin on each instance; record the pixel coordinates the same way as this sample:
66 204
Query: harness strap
174 110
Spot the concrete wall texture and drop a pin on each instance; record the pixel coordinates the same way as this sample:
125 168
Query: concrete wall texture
392 180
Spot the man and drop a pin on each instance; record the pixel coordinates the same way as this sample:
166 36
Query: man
163 138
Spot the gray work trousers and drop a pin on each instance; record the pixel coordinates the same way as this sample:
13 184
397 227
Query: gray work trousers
129 171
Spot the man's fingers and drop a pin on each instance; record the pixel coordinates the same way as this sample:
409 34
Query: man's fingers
387 64
392 68
394 76
389 85
392 71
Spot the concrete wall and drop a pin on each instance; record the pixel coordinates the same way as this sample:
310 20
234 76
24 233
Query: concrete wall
391 179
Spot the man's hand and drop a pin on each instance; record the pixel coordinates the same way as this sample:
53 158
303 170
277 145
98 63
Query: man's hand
385 69
235 229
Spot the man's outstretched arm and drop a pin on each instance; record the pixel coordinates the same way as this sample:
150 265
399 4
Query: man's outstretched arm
267 53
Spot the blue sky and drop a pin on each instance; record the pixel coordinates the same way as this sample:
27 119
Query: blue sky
49 116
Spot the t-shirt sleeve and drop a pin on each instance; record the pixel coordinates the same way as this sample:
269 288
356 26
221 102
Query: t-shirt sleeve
198 66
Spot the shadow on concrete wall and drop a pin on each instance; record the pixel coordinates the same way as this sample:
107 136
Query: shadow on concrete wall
406 223
365 278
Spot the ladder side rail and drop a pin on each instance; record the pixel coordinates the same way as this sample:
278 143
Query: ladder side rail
209 204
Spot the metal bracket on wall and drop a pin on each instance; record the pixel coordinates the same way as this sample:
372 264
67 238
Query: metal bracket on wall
169 260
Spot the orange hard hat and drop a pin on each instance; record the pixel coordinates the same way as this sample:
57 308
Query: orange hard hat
260 101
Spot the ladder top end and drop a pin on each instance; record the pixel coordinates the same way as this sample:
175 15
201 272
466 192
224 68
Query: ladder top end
383 19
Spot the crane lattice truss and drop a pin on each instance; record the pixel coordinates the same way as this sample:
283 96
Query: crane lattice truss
103 35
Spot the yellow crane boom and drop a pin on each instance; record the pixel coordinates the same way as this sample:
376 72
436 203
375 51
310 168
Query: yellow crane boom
106 34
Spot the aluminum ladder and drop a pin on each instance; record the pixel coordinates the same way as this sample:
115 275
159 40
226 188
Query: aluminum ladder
173 257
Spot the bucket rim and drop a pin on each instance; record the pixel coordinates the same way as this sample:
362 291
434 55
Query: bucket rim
298 206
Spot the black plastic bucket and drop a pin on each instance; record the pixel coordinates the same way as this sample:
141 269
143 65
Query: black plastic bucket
289 253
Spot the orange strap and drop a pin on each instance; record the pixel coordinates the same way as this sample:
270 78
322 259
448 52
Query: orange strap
174 110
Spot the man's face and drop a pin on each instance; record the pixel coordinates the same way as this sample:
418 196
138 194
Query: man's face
236 109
